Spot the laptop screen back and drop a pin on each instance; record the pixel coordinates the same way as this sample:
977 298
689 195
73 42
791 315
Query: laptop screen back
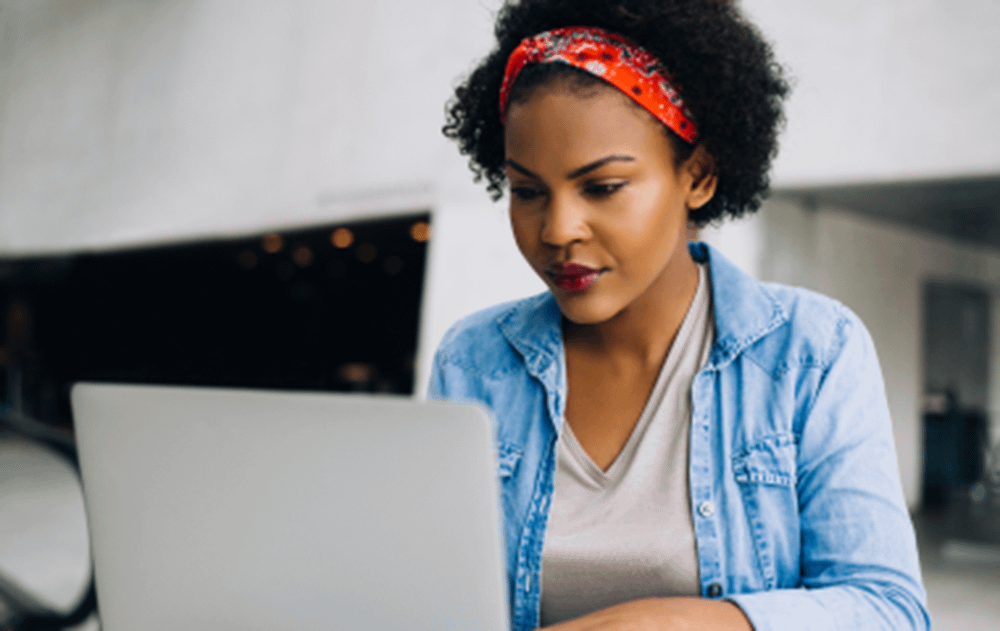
228 509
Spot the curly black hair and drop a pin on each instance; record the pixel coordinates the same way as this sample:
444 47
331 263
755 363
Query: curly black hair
724 69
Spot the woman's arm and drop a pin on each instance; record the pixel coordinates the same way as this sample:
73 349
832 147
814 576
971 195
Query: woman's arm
859 567
661 614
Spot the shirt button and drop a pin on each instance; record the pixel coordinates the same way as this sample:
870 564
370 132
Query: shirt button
706 509
714 590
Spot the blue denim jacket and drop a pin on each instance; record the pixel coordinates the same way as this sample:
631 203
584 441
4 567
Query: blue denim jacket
798 512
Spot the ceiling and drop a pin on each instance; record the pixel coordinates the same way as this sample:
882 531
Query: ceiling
965 209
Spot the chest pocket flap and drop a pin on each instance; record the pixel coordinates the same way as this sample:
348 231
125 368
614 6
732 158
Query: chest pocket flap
768 461
507 458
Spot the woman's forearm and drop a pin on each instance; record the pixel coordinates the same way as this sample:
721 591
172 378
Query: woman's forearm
661 614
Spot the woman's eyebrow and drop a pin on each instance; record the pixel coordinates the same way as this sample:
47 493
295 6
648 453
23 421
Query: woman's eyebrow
575 173
596 164
517 167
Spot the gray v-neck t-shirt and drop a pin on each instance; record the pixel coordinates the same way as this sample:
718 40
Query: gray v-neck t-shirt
628 533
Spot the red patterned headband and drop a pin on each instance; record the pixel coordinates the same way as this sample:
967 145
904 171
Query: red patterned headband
611 57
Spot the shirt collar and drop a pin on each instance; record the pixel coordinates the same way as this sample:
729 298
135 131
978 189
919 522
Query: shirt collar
745 311
533 328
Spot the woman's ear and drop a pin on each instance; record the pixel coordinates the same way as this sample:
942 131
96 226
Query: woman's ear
700 166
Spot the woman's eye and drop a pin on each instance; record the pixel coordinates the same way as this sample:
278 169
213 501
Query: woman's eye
603 189
525 193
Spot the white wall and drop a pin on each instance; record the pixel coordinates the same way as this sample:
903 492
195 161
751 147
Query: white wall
886 89
129 122
878 270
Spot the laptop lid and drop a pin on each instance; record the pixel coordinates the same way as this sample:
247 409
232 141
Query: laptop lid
232 509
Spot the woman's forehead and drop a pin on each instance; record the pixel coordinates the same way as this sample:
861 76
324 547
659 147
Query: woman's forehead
562 121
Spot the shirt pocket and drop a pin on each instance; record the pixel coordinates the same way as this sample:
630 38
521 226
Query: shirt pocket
508 456
765 472
769 461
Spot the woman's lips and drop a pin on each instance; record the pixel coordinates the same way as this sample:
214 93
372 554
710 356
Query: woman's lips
573 276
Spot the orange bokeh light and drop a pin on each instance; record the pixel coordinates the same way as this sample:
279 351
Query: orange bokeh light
273 243
420 231
303 256
342 238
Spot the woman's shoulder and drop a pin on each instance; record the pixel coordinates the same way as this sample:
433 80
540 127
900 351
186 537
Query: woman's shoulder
814 332
817 312
776 324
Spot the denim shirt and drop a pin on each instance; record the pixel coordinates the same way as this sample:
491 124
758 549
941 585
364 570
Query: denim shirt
798 511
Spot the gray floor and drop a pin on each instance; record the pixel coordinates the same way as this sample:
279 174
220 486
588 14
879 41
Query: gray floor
962 580
43 544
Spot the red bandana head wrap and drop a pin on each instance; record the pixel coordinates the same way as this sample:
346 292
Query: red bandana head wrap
613 58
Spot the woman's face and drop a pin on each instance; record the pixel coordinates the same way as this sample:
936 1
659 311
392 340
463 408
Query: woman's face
598 205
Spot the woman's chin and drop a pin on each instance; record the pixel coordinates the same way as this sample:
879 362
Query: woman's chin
583 309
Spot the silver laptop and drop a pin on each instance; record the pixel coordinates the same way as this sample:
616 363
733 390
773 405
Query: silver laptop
216 509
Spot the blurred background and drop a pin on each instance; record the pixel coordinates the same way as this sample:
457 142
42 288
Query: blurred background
257 194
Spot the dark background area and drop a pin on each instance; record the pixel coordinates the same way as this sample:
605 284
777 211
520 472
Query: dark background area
293 310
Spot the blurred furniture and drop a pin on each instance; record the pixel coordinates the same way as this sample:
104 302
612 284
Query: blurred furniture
45 571
954 441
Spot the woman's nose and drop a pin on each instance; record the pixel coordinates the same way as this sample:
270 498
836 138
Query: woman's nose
564 223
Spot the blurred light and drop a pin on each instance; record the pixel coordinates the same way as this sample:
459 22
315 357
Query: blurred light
272 243
366 252
342 238
303 256
247 259
393 265
356 372
420 231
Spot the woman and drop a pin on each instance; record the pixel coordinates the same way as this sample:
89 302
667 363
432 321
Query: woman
680 446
